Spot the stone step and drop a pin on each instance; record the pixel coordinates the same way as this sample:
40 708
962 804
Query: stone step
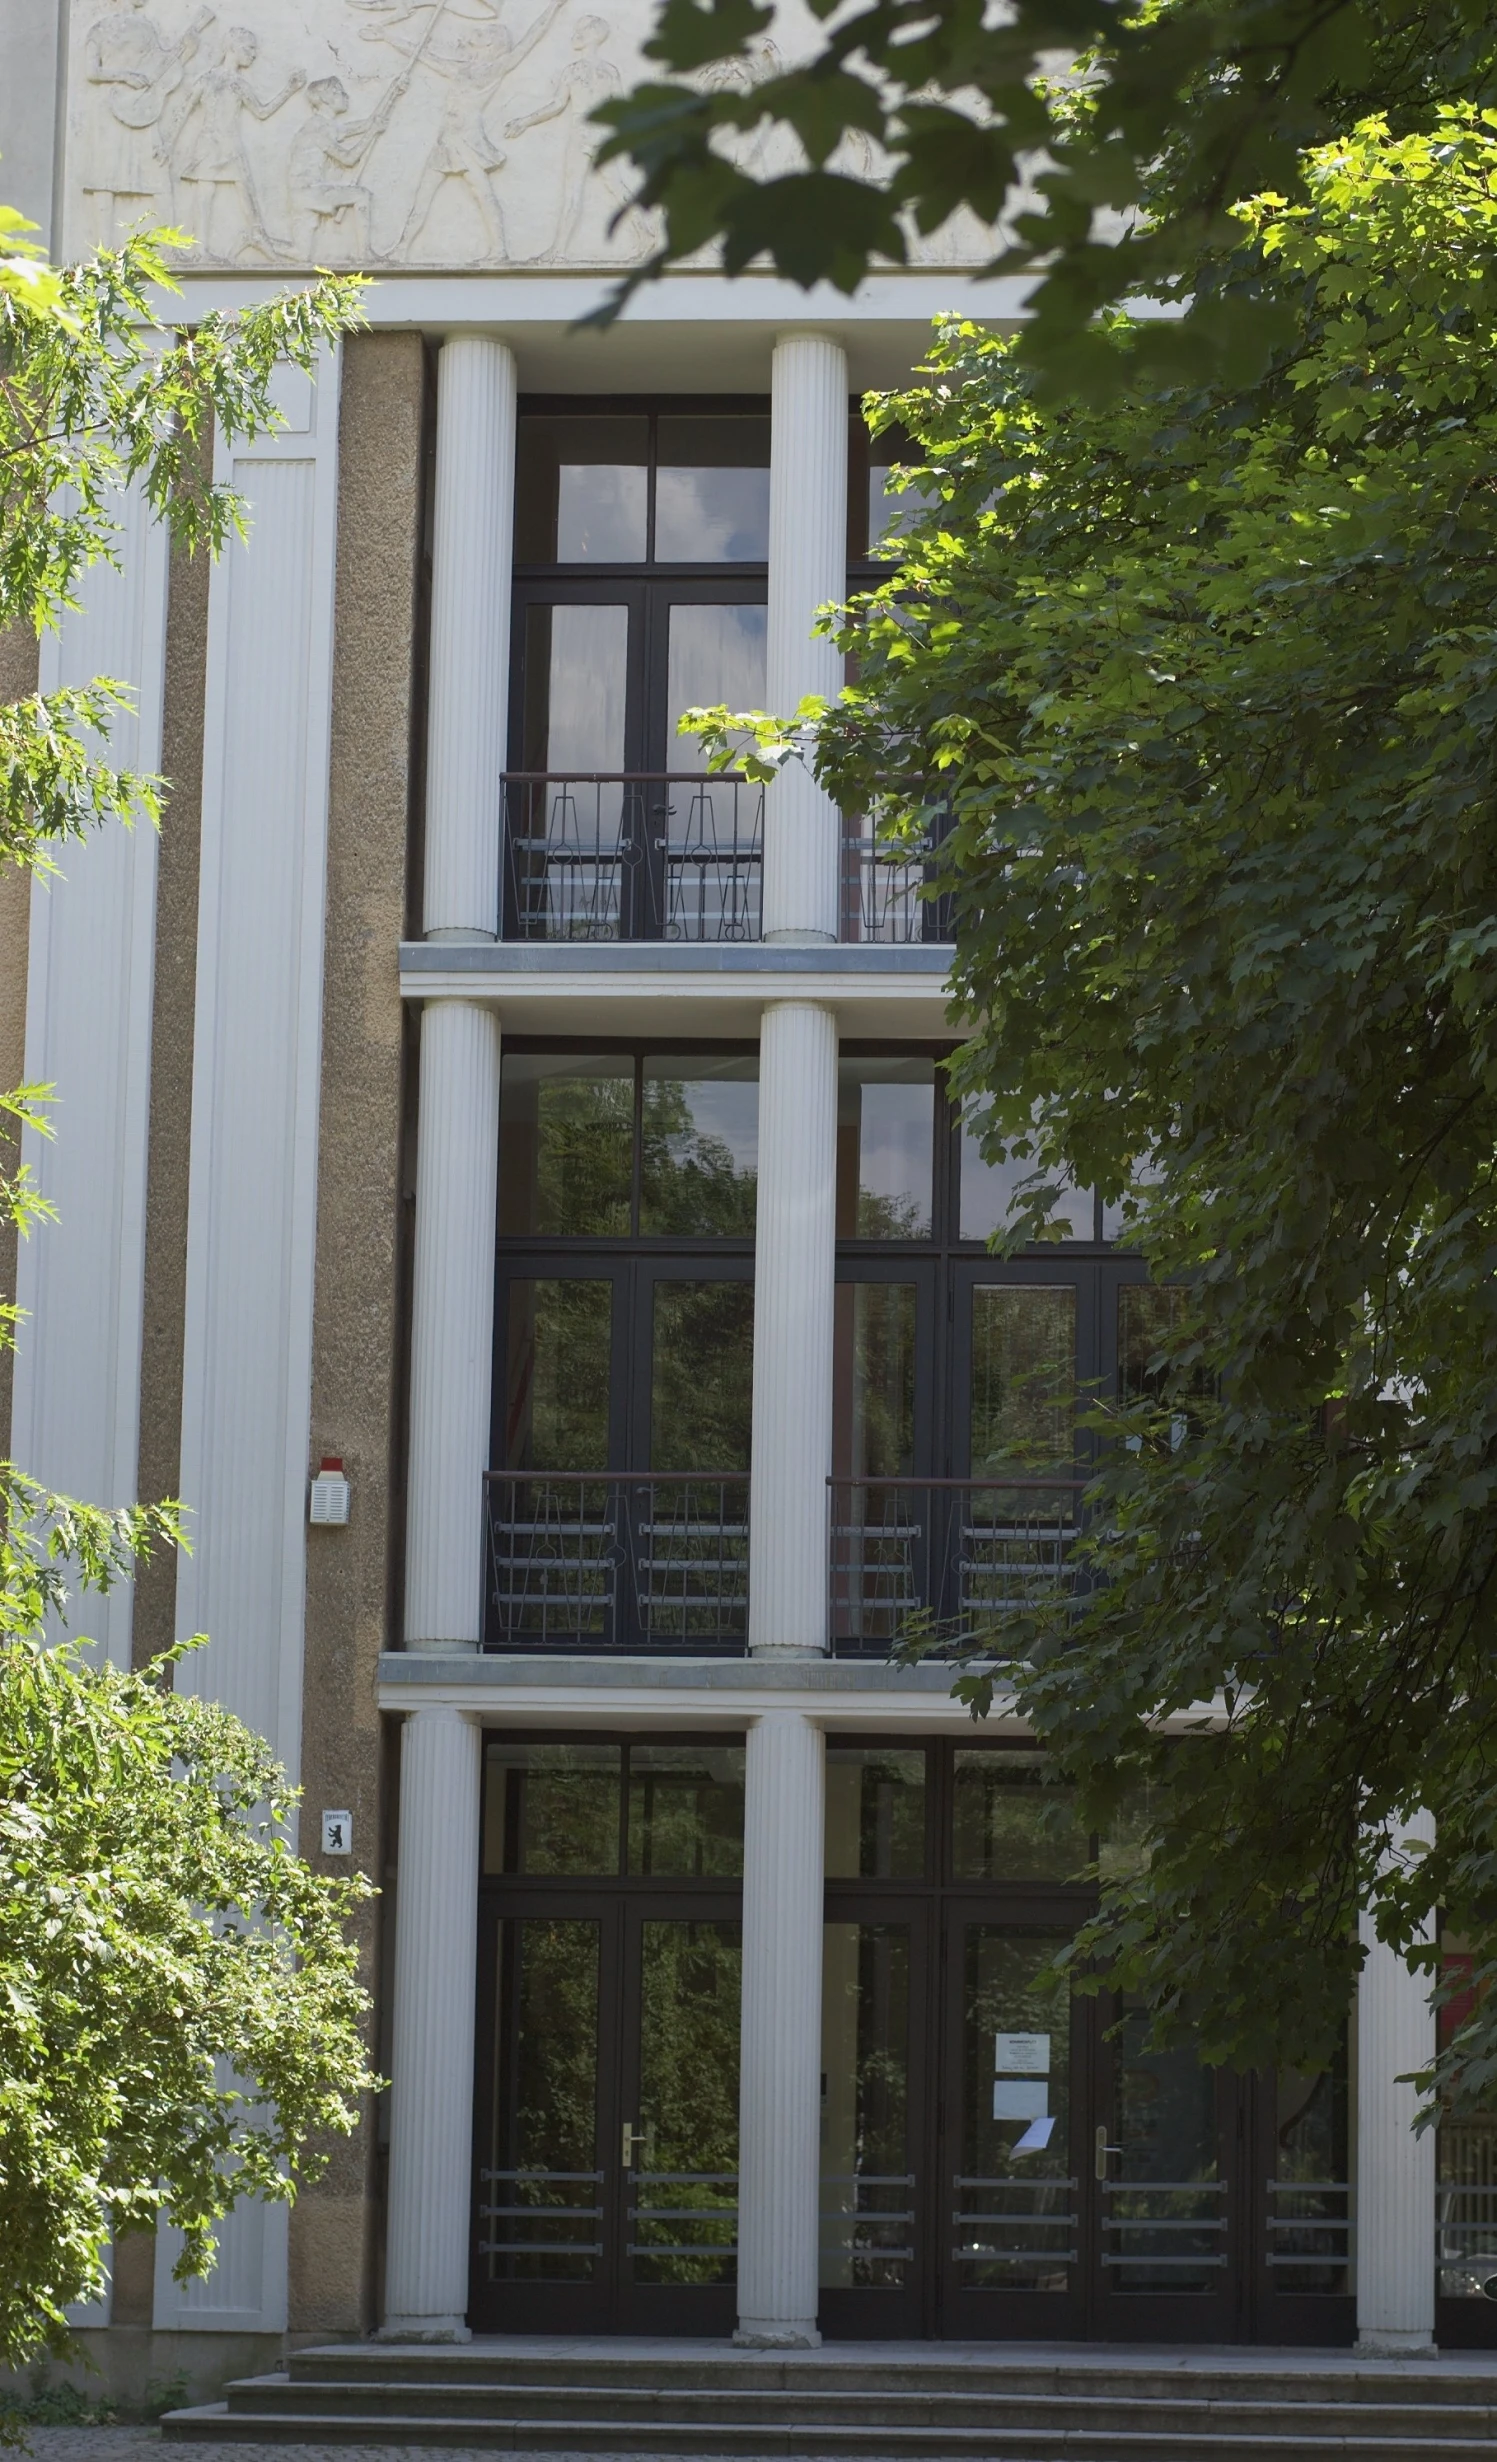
513 2431
1000 2407
368 2366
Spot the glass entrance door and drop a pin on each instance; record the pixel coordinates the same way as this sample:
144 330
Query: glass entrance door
606 2098
1171 2193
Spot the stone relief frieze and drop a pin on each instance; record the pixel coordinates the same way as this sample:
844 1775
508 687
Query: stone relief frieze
372 133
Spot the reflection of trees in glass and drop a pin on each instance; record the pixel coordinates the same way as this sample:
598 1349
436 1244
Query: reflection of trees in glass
691 1184
702 1376
876 1347
690 1984
546 2095
567 1150
686 1809
559 1806
1009 1825
1002 1994
1023 1377
557 1375
865 2103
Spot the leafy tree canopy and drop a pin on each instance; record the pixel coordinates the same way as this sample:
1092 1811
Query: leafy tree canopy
181 2021
1207 682
902 112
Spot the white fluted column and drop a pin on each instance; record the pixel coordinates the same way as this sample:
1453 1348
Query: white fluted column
431 2059
794 1279
779 2104
452 1325
452 1315
472 558
1395 2168
807 567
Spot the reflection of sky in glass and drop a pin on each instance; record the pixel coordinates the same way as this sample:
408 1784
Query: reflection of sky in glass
600 513
716 654
988 1194
587 684
711 516
722 1108
891 1105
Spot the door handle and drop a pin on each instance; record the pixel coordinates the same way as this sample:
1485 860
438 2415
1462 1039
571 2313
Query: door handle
634 2138
1102 2150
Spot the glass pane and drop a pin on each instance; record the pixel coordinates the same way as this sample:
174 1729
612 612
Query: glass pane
712 491
557 1375
566 1146
885 1129
1465 2158
700 1160
702 1376
551 1808
581 490
873 1380
1023 1378
541 2219
684 2219
867 2195
1015 2224
1008 1824
714 654
576 689
875 1814
686 1809
1310 2244
1161 2232
987 1193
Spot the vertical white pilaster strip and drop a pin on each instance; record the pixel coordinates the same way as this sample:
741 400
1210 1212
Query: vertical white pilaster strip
1395 2168
431 2058
794 1289
807 567
472 554
252 1199
779 2101
81 1279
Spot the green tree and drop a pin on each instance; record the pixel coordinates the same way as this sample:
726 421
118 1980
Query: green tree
180 2016
1206 683
905 111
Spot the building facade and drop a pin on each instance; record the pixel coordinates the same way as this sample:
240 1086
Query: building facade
507 1188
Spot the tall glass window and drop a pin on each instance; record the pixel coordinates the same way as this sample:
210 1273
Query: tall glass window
886 1111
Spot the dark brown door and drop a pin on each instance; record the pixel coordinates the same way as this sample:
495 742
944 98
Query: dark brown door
1167 2151
607 2113
1014 2202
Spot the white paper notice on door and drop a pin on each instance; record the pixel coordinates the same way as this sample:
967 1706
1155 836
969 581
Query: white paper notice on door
1022 2055
1020 2098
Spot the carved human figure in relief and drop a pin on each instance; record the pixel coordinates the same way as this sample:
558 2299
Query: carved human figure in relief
472 69
132 76
221 203
585 81
330 202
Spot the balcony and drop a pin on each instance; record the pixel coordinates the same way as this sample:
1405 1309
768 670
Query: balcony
676 856
613 1560
968 1552
644 1563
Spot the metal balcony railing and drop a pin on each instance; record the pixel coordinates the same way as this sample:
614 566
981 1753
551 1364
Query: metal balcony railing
617 1560
965 1551
673 855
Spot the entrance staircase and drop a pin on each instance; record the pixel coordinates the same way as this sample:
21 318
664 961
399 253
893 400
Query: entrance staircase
1011 2403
